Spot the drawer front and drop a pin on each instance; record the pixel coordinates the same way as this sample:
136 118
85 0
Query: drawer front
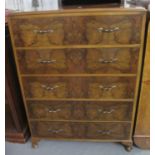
72 30
79 87
80 110
102 131
33 32
65 61
124 29
108 131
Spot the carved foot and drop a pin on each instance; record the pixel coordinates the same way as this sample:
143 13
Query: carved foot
34 146
128 146
35 143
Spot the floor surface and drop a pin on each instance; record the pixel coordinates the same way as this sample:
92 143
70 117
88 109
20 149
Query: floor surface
71 148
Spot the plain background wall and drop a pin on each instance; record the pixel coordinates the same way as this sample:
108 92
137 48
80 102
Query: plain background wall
27 4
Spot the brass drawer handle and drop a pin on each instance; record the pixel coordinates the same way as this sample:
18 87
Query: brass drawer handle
43 31
50 110
101 60
46 61
48 88
105 111
106 88
56 131
102 29
104 132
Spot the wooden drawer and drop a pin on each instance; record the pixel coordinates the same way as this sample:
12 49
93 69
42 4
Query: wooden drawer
76 30
79 87
80 110
65 61
109 111
108 131
102 131
113 29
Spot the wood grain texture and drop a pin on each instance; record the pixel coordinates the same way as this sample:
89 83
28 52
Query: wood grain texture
74 110
76 61
81 130
77 30
117 29
79 87
142 131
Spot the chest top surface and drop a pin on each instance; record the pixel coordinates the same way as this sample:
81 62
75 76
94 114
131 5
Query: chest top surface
54 6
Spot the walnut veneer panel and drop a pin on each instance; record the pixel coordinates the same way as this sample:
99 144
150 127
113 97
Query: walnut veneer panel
79 87
80 110
66 61
79 72
81 130
69 30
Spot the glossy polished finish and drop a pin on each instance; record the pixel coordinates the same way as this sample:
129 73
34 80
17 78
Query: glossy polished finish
79 87
69 61
79 70
81 130
77 30
80 110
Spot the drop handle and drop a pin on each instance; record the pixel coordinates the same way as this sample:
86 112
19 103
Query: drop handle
46 61
107 88
104 61
49 88
102 111
43 31
56 131
50 110
108 30
104 132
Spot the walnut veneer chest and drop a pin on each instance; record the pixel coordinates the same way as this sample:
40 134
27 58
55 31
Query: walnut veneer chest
79 71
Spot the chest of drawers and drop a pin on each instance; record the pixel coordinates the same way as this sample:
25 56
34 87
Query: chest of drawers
79 72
